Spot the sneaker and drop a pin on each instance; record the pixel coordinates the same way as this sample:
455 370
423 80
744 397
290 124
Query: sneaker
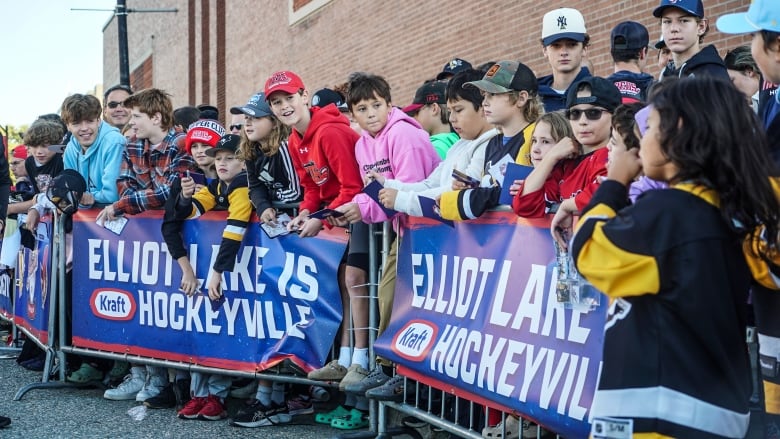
245 392
258 415
392 390
319 394
152 387
332 371
85 374
375 378
355 374
412 422
509 428
192 408
130 387
213 410
300 406
166 399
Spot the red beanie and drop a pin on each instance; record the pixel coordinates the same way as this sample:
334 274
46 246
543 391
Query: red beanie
207 132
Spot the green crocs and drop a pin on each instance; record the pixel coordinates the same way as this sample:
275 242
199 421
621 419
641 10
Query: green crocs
84 374
326 418
355 420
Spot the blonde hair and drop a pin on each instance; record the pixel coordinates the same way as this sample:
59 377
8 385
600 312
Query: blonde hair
247 149
533 107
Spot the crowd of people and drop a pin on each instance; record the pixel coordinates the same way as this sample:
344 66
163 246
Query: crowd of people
673 180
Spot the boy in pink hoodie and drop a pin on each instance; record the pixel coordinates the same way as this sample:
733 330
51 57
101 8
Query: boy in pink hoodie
395 146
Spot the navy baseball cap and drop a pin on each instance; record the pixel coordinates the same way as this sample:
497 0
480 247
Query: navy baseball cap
603 93
629 35
452 67
256 107
693 7
326 96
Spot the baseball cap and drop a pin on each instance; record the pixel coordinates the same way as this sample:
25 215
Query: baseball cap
20 152
506 76
60 147
204 131
629 35
66 189
563 23
761 15
430 93
326 96
228 142
208 111
603 93
660 44
452 67
256 107
693 7
285 81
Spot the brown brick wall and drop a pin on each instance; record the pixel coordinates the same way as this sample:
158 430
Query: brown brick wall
405 41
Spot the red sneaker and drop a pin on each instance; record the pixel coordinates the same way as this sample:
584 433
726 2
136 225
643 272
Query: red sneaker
192 408
213 410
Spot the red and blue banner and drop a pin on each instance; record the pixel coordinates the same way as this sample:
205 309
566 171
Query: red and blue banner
475 313
31 307
282 299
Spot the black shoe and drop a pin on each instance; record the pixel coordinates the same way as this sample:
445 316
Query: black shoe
166 399
4 422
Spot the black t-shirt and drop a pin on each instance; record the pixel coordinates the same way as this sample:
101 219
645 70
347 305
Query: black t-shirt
42 175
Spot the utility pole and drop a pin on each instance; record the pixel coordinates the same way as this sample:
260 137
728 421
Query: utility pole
120 12
121 24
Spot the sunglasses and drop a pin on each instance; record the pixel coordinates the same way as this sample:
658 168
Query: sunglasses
236 127
590 114
114 104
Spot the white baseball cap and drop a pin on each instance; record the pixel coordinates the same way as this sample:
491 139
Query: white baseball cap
563 23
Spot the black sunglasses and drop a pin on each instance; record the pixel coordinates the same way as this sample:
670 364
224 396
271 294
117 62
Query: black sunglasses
114 104
590 114
236 127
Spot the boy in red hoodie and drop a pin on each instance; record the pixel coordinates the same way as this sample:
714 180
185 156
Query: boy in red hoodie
322 148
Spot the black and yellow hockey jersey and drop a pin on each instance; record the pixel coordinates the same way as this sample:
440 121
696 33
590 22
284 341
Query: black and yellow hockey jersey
675 359
235 199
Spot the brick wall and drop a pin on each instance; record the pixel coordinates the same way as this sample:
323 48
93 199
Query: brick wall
406 42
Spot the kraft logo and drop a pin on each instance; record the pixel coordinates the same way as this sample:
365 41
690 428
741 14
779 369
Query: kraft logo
415 339
113 304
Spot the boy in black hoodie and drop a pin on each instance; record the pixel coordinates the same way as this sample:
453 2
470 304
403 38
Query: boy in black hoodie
683 27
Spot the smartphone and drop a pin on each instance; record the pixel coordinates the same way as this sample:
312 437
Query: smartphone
464 178
198 178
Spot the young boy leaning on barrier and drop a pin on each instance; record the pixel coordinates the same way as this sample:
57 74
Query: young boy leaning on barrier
229 192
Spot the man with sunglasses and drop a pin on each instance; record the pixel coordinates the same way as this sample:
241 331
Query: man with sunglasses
114 112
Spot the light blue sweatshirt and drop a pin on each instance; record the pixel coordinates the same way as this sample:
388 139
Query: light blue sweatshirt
100 163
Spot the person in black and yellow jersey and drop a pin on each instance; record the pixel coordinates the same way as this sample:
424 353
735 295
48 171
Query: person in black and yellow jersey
675 358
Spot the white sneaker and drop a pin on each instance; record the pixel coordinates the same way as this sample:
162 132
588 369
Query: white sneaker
129 388
152 387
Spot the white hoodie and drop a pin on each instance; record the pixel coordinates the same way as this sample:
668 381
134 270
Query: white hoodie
467 156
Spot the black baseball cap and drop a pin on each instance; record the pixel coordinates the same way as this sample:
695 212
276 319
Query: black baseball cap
603 93
228 142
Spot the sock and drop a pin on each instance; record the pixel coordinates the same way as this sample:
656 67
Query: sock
345 356
360 356
264 395
277 394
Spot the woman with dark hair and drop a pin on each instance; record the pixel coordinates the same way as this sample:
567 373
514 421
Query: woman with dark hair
675 359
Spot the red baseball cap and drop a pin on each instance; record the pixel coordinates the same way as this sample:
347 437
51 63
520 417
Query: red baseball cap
20 152
285 81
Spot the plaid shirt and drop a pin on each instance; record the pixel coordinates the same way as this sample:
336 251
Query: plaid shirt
147 173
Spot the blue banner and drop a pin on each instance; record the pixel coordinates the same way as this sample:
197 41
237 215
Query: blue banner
282 298
475 313
31 307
